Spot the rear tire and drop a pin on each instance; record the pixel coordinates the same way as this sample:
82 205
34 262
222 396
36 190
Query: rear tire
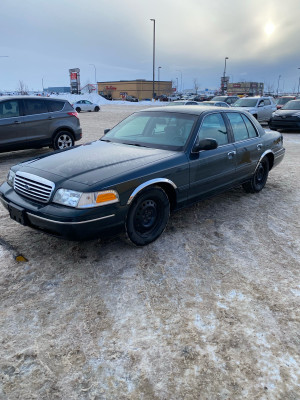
148 216
259 179
96 109
63 140
78 109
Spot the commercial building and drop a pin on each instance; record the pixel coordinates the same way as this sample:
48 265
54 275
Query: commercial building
140 88
248 88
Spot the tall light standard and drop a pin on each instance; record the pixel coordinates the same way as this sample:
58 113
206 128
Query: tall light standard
278 84
177 70
298 83
153 91
158 70
224 77
95 73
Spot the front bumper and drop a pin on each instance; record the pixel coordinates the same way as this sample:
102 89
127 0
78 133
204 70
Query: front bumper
285 123
61 221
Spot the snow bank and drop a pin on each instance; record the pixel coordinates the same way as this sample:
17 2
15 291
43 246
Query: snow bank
97 99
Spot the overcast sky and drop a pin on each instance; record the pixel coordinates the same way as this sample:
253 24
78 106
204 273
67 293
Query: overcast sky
44 38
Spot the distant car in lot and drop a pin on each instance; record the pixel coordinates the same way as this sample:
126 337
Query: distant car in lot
184 103
260 107
288 117
174 97
85 105
132 99
153 162
214 103
228 99
281 101
33 122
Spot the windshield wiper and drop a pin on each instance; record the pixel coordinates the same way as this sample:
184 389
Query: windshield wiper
135 144
105 140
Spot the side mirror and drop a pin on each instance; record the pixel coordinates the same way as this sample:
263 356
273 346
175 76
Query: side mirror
106 131
205 144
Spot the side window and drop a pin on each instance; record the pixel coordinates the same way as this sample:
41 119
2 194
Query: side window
267 102
213 127
239 128
250 128
33 106
55 105
9 109
261 103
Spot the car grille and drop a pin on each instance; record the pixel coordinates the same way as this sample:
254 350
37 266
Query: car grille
33 186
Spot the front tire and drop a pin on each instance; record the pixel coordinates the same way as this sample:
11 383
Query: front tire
96 109
63 140
78 109
259 179
148 216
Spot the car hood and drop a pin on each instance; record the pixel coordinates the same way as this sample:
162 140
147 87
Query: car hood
94 162
285 113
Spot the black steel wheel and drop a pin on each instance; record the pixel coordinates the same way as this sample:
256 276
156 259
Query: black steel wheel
148 216
259 179
63 140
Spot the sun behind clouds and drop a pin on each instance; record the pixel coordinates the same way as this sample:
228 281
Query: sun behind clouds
269 28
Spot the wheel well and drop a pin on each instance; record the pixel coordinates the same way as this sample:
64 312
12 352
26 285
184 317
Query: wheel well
270 157
171 193
62 130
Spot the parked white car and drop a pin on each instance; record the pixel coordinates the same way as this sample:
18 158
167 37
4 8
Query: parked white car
260 107
174 97
85 105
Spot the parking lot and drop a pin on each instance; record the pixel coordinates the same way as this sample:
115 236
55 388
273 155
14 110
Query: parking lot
208 311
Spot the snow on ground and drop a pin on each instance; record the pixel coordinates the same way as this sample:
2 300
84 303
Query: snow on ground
97 99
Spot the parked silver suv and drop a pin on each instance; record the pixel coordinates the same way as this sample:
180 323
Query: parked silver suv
33 122
260 107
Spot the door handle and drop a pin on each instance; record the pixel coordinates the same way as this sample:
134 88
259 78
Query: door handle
17 122
259 146
231 154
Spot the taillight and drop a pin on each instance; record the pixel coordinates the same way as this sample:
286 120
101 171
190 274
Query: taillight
74 113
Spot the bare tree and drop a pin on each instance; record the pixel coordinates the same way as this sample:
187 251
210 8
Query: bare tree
22 88
196 85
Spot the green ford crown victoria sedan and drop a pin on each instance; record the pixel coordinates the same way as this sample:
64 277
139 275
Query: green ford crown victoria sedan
153 162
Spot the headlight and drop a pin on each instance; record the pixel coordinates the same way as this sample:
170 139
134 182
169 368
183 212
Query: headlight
11 178
71 198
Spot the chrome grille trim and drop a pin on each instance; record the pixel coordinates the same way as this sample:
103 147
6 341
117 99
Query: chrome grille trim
33 186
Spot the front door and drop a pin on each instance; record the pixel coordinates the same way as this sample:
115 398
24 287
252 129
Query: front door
212 170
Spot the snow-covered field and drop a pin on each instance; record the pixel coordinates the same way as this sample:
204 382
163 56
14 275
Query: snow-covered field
209 311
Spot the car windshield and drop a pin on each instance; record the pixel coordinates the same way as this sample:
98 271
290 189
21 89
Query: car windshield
160 130
292 105
284 100
177 103
245 103
219 98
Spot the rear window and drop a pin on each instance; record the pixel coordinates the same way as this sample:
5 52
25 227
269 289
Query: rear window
55 105
9 109
35 106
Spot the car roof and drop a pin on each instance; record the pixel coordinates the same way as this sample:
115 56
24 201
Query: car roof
194 109
16 97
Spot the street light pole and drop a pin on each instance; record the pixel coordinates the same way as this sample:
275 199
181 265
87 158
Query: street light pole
278 84
180 79
298 83
158 70
223 89
153 79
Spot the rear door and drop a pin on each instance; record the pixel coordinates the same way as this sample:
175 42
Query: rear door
247 142
37 121
212 170
11 125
